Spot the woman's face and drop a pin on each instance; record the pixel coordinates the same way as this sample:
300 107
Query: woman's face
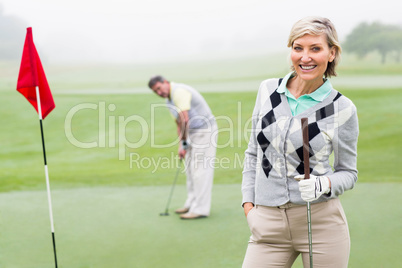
310 56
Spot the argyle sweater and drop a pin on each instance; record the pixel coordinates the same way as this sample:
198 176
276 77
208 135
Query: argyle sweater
275 151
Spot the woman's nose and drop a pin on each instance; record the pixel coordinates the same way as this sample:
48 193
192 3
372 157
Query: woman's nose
305 57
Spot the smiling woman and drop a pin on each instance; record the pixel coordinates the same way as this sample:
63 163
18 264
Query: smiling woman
311 56
315 53
326 36
275 193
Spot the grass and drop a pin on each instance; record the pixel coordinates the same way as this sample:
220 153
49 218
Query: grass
70 165
121 227
380 131
370 65
107 196
120 152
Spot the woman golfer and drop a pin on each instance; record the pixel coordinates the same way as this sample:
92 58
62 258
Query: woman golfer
274 192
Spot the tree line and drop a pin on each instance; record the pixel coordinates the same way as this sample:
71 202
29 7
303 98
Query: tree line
12 33
364 38
383 38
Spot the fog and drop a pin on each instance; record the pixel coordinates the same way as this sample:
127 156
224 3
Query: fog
133 31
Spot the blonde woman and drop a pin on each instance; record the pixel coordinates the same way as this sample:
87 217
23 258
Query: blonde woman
274 192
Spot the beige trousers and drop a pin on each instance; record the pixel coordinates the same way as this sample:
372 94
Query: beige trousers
279 235
200 162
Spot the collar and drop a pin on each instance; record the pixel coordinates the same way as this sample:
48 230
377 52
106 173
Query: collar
170 89
318 95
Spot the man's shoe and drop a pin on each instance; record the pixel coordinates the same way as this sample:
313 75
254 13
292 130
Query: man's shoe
191 216
182 210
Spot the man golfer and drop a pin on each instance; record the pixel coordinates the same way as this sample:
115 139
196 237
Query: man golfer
197 130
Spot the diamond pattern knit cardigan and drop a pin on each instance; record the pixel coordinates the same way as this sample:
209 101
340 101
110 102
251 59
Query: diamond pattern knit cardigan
275 156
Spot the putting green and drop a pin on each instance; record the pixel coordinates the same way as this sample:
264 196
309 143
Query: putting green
121 227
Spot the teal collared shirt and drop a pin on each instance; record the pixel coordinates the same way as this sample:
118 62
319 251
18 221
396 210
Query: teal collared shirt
307 101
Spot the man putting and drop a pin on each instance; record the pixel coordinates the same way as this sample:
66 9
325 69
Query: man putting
198 132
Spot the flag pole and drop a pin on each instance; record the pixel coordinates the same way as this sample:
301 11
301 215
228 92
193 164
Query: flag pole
47 175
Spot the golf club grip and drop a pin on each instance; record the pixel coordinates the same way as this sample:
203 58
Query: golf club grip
306 148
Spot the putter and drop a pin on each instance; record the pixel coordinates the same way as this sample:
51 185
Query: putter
166 213
306 158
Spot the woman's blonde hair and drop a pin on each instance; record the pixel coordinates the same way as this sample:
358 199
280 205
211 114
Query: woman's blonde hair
318 26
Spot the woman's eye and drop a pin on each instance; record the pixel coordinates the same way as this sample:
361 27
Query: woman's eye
316 49
297 48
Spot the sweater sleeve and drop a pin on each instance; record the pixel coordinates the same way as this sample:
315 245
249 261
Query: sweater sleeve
345 152
250 160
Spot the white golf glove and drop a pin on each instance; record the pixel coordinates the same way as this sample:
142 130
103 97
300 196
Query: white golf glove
313 188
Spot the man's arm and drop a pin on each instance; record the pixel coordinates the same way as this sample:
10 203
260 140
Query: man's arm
182 125
182 130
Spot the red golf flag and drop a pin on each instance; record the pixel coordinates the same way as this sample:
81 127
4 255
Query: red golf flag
32 75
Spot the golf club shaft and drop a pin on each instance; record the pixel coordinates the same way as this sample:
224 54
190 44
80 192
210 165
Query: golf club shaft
306 159
306 148
173 185
310 239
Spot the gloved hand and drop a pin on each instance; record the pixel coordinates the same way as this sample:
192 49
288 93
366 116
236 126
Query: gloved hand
184 145
313 188
183 149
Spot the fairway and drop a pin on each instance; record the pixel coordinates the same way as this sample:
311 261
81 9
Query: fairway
121 227
108 192
118 162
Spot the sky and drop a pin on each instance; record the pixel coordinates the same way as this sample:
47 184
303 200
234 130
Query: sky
132 31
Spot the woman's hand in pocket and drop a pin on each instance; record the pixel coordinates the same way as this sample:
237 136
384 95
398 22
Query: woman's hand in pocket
247 207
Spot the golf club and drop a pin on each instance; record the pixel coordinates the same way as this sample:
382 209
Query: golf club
306 158
166 213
